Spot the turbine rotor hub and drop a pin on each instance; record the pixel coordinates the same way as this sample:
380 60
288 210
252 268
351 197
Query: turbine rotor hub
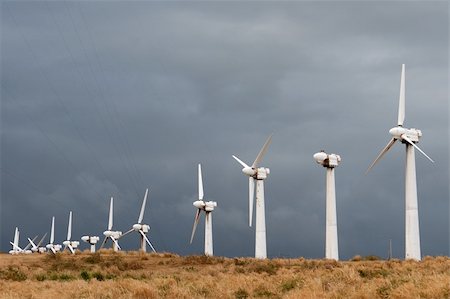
249 171
199 204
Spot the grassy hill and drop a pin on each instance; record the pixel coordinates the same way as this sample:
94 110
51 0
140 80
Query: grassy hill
135 275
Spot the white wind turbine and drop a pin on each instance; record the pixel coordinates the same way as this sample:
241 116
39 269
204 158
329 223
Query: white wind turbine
409 137
259 174
37 247
53 247
141 228
109 234
15 245
331 237
72 245
208 207
92 240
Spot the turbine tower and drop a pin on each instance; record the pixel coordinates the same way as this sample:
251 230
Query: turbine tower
141 228
259 174
109 233
409 137
331 237
72 245
208 207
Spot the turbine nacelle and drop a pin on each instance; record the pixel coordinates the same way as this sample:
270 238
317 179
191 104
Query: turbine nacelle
257 173
90 239
112 234
144 227
55 247
262 173
327 160
412 134
210 205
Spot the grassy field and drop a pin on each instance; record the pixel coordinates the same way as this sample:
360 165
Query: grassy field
164 275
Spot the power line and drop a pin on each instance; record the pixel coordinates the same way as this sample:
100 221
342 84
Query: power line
125 147
83 79
58 150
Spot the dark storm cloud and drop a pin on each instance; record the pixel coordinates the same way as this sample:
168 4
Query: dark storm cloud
108 98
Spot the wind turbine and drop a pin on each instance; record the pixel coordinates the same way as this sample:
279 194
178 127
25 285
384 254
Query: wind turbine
409 137
259 174
208 207
72 245
15 245
37 247
92 240
142 229
53 247
331 237
109 234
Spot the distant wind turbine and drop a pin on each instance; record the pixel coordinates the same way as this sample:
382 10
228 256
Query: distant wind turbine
207 207
331 237
258 174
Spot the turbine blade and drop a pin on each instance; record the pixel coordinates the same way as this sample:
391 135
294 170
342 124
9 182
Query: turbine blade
413 144
200 182
52 231
16 236
69 227
42 239
141 215
251 196
148 241
115 242
30 243
262 152
53 250
401 100
104 242
15 246
381 154
110 218
129 231
240 162
194 227
71 249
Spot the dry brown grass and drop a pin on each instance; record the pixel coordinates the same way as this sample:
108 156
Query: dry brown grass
141 276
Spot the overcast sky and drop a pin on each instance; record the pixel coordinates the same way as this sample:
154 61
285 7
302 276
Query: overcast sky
107 98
